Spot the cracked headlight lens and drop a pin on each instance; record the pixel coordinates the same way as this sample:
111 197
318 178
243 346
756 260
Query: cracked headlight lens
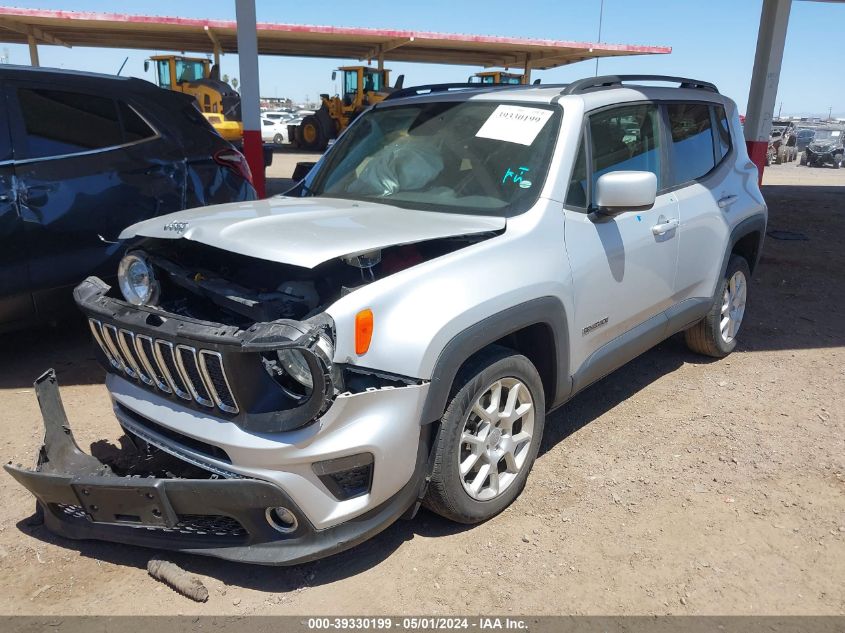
294 363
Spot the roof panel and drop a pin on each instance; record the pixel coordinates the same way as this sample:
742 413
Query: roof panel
115 30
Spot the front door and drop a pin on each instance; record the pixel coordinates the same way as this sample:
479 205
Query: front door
623 267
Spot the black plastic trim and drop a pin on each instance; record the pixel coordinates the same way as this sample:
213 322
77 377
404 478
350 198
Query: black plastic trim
580 86
547 311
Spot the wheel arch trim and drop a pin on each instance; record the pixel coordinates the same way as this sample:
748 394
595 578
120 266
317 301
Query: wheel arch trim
547 311
755 223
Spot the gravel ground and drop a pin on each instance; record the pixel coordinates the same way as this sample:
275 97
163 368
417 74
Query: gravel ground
676 485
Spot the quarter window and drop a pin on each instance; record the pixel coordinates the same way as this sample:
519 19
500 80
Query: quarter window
134 127
625 138
59 122
723 133
692 141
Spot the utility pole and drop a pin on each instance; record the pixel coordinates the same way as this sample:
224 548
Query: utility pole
829 112
601 15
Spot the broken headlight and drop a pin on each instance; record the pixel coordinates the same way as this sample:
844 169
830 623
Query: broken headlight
137 279
294 363
293 368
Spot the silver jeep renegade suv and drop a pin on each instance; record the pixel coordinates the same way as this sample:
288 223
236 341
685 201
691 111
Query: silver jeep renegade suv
294 374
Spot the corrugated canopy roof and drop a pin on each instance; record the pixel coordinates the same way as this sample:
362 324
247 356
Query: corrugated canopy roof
114 30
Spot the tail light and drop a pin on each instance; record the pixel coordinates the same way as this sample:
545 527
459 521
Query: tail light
235 161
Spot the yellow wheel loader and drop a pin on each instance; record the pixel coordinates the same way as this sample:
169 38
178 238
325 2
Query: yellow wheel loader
195 76
496 77
362 87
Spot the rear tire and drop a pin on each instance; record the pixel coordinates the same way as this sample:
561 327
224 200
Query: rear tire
715 335
488 438
279 139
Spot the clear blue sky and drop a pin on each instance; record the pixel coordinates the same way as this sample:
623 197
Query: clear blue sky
712 40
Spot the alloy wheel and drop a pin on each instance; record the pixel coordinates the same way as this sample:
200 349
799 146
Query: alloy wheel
733 306
496 439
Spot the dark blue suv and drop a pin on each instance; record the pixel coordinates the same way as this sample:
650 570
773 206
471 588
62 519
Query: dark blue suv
83 156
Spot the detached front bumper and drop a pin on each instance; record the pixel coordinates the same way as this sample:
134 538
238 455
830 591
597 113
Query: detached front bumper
82 498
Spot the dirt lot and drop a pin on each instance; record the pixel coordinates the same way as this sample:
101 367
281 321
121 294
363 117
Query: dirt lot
676 485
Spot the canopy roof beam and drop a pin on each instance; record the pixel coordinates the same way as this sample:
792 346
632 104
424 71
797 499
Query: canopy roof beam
31 31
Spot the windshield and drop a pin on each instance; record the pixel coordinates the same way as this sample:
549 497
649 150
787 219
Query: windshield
455 156
823 135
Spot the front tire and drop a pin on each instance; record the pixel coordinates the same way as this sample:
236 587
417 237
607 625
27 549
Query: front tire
313 137
279 139
715 335
488 439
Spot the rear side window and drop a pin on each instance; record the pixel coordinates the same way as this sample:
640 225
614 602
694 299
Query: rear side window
134 127
58 122
692 141
625 138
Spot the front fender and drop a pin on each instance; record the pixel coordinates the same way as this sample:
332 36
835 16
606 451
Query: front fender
547 311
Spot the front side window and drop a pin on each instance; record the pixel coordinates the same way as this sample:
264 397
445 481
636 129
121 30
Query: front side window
460 157
576 194
692 141
58 122
625 139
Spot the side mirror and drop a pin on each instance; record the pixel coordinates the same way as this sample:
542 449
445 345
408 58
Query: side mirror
146 65
620 191
302 169
334 75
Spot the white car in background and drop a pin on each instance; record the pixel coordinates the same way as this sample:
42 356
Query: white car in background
274 130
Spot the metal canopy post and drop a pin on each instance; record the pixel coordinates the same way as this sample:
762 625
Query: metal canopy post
250 110
771 38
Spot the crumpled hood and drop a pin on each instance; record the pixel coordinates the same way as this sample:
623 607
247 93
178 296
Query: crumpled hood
308 231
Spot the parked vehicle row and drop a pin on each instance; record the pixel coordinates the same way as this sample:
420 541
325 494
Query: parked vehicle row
83 156
826 148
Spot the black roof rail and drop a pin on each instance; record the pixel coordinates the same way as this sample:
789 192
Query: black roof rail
428 89
615 81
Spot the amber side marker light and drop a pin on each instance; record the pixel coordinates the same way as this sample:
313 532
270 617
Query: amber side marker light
363 331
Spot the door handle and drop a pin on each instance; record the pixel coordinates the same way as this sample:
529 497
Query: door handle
665 227
726 201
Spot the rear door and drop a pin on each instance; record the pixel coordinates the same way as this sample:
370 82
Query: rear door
707 189
84 170
15 299
623 273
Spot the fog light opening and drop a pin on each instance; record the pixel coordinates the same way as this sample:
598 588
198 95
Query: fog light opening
282 520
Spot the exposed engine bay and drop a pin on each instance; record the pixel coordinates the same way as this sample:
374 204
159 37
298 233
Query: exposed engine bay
211 284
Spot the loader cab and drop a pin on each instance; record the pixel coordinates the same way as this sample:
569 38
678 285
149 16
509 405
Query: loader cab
172 70
359 82
496 77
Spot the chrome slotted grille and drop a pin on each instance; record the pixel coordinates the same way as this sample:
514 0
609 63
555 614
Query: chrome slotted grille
191 374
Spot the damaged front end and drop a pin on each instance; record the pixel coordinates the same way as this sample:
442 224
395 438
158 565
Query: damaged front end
144 496
267 377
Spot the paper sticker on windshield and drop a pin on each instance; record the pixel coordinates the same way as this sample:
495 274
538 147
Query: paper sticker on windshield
514 124
835 133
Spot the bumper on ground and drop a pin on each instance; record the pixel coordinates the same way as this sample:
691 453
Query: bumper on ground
82 498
